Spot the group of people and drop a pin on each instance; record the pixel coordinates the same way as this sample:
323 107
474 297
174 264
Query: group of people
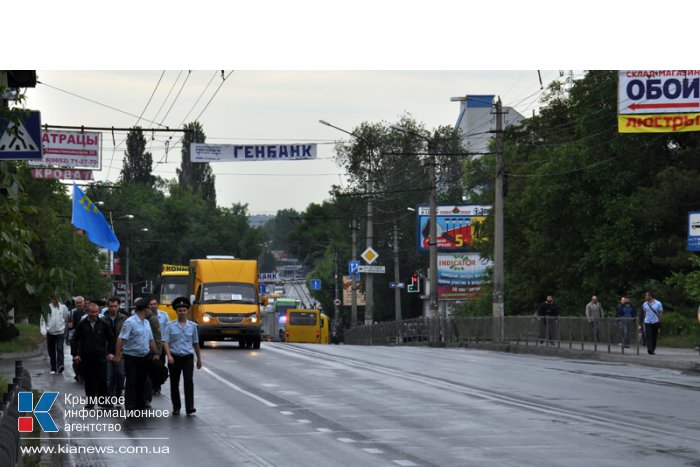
115 352
651 315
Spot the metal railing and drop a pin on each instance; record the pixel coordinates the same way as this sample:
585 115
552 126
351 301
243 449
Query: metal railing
9 434
603 334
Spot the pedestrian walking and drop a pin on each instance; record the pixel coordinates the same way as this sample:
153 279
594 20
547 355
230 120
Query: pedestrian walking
163 320
594 313
181 341
115 370
653 312
136 345
625 314
53 330
548 314
92 346
152 318
76 314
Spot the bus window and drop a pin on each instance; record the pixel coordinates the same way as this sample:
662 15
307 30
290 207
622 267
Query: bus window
302 318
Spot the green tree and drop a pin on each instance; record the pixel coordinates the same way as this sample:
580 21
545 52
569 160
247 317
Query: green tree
138 164
196 176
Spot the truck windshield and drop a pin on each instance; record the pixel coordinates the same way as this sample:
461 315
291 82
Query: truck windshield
228 292
172 287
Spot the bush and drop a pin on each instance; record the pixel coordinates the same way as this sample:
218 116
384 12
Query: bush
675 324
8 332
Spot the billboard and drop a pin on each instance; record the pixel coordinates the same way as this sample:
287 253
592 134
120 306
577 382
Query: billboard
694 231
241 153
70 149
347 293
460 276
658 101
458 227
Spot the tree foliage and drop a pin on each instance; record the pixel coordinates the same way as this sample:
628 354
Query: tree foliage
138 164
196 176
589 210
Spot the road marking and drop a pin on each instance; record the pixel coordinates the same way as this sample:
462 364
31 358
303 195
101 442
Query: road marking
269 385
373 450
286 412
346 440
303 420
404 462
324 430
239 389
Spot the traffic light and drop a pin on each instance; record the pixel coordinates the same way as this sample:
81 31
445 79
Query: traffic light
414 283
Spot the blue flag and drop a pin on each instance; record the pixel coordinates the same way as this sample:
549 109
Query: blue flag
87 217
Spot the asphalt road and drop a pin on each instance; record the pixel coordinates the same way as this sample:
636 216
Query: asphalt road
297 405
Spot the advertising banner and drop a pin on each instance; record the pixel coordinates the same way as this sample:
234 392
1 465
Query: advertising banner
347 293
242 153
658 101
61 174
458 227
694 231
460 276
71 149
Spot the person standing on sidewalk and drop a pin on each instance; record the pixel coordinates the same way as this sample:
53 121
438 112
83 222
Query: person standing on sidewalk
163 320
625 313
548 314
594 312
180 341
54 331
653 312
92 346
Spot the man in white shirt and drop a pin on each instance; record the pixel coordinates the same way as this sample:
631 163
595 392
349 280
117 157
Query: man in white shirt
54 331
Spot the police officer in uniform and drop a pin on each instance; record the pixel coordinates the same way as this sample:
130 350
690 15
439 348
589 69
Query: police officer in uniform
136 344
180 341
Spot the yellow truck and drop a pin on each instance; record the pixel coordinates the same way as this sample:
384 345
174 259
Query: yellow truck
225 300
173 284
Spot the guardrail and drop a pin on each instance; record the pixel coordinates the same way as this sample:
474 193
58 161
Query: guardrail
9 434
603 334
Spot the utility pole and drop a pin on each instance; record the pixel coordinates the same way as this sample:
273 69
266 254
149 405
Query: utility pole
336 315
397 277
128 285
353 284
369 281
433 310
498 292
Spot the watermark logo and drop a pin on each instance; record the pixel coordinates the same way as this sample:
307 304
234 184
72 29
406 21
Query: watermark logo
25 403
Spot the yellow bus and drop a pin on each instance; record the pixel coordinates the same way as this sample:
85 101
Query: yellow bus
306 326
173 284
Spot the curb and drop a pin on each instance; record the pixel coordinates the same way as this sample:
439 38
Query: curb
587 355
22 355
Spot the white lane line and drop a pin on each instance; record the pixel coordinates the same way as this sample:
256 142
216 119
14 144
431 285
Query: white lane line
303 420
286 412
346 440
373 450
324 430
404 462
241 390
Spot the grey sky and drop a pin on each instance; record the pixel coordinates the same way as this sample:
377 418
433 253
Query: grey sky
267 107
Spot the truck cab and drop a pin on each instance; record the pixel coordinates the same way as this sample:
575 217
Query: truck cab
225 300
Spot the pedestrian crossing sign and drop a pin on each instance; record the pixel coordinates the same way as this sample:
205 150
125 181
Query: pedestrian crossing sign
21 139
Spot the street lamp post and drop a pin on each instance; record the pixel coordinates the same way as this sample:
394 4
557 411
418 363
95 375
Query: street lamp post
369 281
432 241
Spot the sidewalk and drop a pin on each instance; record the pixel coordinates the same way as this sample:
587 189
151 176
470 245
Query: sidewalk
665 357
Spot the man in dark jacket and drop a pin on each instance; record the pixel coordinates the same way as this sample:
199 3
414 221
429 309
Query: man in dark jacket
625 314
548 314
91 347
